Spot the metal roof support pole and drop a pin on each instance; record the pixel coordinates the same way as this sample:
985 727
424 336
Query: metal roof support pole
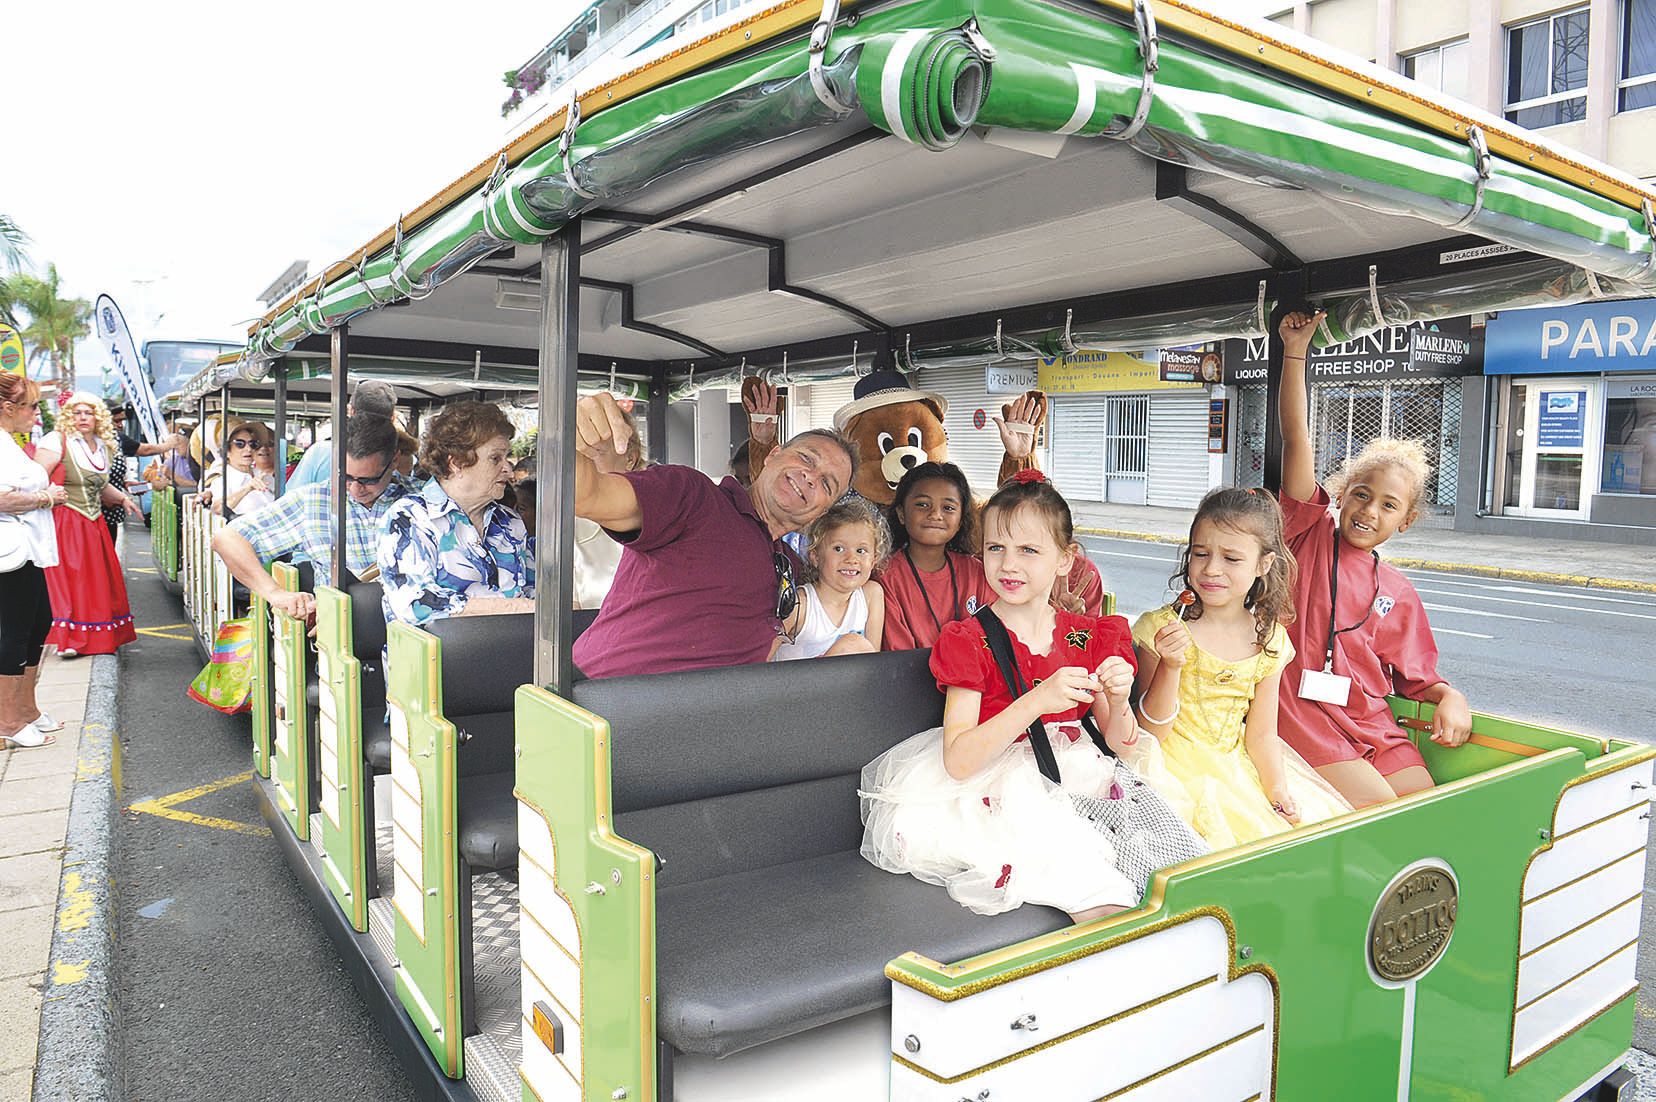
656 414
1289 289
560 288
279 389
224 451
339 366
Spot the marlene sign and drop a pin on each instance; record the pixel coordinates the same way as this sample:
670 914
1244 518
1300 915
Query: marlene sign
1427 350
1599 336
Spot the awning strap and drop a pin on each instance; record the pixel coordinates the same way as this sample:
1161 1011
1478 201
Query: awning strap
1144 22
566 144
818 49
1374 295
1481 162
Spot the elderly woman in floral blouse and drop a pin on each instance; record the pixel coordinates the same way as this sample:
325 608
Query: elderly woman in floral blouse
453 549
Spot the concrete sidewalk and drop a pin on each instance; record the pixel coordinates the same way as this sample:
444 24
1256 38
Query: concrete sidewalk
35 790
1561 562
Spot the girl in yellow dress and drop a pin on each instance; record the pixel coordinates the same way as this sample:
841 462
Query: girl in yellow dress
1208 678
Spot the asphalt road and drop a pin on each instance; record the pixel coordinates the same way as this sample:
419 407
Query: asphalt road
1578 659
229 988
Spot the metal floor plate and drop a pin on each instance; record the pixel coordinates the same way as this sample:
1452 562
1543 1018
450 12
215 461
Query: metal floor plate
494 1053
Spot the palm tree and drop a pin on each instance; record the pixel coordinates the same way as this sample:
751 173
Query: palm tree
12 256
12 240
55 323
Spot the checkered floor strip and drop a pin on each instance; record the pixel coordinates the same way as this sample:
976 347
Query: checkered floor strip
497 963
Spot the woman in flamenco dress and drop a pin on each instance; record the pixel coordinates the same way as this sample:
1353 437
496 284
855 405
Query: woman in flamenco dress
90 613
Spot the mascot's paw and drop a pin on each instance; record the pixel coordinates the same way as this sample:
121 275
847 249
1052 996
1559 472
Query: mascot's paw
1020 428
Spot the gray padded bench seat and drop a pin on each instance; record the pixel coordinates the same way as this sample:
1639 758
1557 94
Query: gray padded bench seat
743 781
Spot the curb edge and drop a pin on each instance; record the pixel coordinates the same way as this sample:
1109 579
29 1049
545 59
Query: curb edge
79 1052
1546 577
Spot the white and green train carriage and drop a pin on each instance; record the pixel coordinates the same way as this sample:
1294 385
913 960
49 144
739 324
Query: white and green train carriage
648 888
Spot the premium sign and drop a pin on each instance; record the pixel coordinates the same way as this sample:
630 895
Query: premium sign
1410 927
1426 350
1009 378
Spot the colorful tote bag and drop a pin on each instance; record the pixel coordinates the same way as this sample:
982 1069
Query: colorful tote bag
225 684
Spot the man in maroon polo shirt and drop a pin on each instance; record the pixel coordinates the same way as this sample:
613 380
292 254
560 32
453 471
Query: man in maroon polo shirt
696 586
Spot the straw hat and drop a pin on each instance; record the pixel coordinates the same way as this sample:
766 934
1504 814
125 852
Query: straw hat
886 388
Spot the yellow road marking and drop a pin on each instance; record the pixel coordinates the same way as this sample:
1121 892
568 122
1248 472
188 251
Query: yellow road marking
166 807
164 632
142 569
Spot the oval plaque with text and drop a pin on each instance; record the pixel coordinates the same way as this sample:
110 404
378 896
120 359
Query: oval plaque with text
1411 923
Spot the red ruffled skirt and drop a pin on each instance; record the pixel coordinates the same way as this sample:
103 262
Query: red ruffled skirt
90 613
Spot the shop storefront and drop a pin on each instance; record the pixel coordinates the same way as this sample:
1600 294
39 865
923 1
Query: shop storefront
1570 422
1403 382
1131 430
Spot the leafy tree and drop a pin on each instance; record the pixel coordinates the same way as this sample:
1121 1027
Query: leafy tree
54 323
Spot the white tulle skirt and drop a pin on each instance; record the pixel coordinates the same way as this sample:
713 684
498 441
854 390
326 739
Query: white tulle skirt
1004 837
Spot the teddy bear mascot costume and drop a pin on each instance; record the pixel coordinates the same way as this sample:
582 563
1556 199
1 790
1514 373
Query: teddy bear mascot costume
896 427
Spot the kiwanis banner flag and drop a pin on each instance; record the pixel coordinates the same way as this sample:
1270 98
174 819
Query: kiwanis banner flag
112 333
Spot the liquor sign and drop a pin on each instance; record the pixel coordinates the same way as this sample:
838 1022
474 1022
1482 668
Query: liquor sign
112 332
1425 350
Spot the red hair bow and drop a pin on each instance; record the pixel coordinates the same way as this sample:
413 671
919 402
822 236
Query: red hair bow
1029 474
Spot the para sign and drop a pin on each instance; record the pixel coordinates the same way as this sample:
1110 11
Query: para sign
1599 336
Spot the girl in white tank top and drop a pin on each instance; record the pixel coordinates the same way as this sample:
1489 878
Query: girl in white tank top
839 612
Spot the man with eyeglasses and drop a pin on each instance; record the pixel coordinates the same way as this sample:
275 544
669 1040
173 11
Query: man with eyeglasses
302 523
704 578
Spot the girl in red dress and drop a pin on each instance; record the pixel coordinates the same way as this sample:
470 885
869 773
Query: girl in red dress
933 576
965 805
90 614
1361 630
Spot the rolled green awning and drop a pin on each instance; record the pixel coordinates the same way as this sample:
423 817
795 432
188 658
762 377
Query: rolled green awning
928 71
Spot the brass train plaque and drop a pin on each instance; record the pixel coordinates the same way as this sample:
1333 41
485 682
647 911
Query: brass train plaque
1412 922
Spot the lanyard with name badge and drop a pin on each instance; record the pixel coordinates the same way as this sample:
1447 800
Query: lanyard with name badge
1325 685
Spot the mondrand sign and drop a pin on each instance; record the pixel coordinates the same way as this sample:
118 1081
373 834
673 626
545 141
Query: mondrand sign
1427 350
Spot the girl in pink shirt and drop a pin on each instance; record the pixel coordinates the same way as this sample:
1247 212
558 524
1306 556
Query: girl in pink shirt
1361 631
932 578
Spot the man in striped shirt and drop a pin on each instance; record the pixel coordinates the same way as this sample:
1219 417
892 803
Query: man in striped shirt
302 523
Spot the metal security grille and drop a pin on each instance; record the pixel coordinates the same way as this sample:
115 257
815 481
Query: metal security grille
1250 436
1346 416
1126 444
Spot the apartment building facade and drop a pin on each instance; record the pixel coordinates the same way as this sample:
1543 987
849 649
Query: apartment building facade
1557 435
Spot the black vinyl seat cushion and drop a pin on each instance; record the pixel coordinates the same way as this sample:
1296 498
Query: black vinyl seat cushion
759 955
488 827
376 743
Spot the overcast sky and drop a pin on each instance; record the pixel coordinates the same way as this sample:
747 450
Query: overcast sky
179 156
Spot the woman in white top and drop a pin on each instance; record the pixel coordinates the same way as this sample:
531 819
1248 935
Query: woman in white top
839 612
241 487
28 544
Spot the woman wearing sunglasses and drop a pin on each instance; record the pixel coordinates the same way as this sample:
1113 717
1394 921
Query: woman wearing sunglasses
246 490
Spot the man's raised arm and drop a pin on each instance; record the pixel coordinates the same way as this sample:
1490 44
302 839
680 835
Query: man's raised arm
606 499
